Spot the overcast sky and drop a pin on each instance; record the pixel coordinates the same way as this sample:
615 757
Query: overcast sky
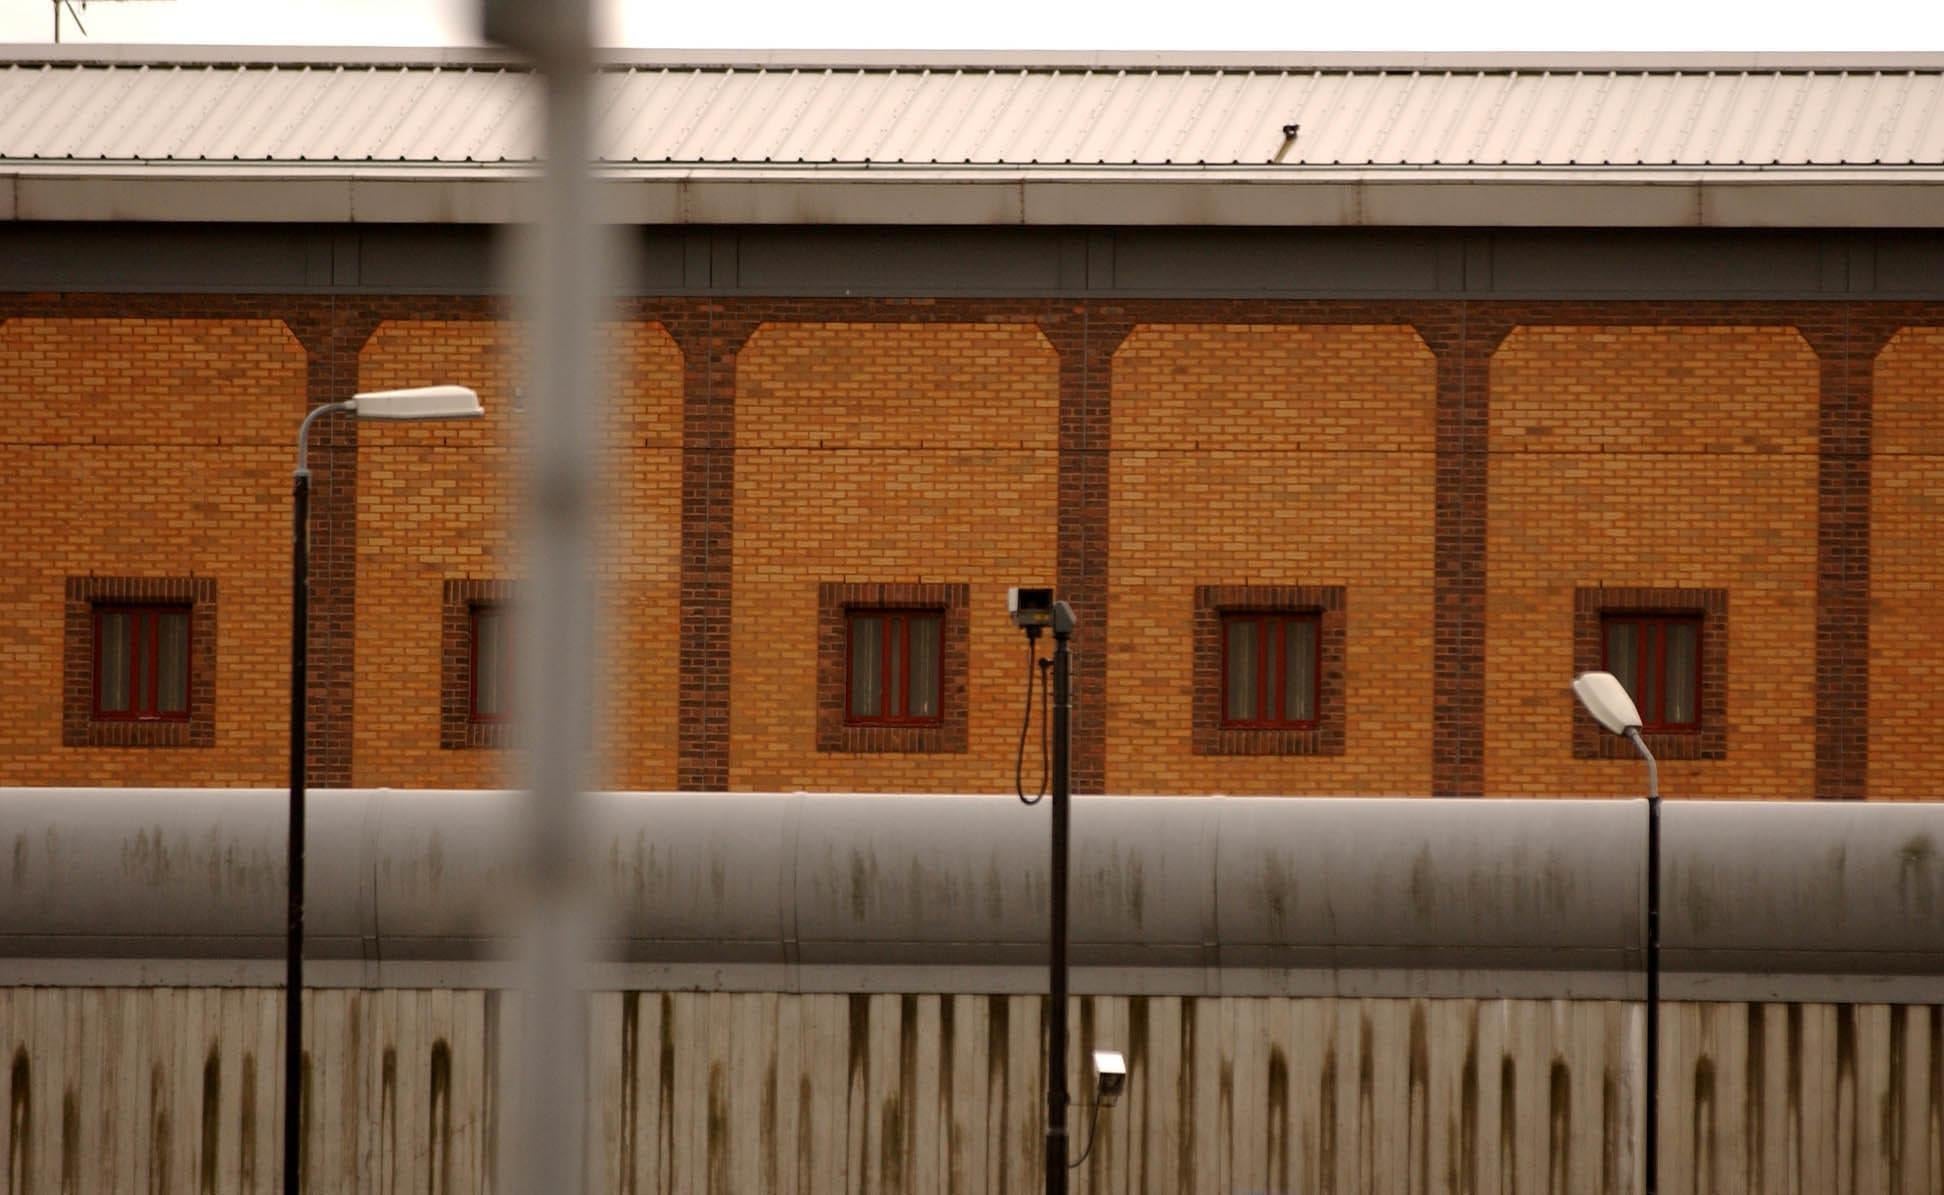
1890 25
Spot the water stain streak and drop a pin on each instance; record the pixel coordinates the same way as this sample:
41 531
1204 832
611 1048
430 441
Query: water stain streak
439 1176
1754 1095
20 1123
1559 1119
1508 1127
212 1130
626 1162
1706 1177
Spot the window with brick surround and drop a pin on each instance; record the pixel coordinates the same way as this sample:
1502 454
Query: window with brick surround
475 664
489 691
1657 657
139 662
892 667
1269 670
893 677
1669 647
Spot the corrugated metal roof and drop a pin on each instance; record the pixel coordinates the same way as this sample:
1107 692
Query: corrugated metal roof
1000 116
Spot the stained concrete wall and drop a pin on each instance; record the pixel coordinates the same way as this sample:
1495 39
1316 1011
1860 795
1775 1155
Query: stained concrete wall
170 1089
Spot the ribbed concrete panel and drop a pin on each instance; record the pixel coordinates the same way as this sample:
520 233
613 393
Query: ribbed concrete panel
178 1089
1008 115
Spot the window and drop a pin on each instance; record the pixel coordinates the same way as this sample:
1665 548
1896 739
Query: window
1669 647
1658 658
489 663
475 664
141 662
893 678
893 667
1269 668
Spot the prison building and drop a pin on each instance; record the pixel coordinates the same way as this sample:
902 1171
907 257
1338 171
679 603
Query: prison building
1354 403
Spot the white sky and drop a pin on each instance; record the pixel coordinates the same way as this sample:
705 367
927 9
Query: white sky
1412 25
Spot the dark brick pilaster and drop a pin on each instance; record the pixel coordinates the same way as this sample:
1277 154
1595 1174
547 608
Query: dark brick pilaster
1086 339
709 341
1464 342
1847 348
332 335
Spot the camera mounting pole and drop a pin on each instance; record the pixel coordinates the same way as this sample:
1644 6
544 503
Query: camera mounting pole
1056 1061
1033 610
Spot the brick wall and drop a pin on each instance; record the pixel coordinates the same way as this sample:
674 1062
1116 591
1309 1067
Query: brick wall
1652 457
1907 567
889 452
1272 456
143 447
436 503
1783 453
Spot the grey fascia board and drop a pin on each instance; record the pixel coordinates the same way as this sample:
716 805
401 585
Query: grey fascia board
190 198
1166 202
882 199
443 200
1501 199
1823 204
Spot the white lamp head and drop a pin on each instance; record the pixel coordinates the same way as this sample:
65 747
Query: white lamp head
1110 1077
420 402
1606 699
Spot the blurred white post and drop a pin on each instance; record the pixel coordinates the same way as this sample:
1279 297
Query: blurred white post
561 288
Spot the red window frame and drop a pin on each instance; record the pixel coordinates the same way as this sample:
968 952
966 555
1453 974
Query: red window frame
1272 647
144 659
473 713
895 623
1650 663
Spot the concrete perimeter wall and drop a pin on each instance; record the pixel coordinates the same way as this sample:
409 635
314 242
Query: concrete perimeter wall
178 1089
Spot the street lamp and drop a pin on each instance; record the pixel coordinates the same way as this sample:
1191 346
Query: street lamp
1606 699
424 402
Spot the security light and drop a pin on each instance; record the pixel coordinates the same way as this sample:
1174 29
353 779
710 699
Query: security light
1110 1077
419 402
1606 699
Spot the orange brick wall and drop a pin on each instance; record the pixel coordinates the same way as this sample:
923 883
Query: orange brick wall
1652 457
148 447
436 503
1290 455
885 452
1907 567
1245 454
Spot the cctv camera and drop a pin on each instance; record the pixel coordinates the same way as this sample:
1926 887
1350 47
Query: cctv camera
1030 607
1110 1077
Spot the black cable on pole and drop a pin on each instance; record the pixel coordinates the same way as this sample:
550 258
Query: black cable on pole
1026 724
1093 1125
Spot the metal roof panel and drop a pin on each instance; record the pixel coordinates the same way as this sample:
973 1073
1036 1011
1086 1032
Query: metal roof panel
457 112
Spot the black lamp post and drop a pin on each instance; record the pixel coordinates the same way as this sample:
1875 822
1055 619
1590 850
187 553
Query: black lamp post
427 402
1056 1064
